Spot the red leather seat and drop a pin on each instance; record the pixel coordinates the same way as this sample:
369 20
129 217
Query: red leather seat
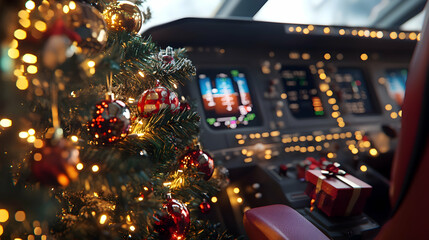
276 222
410 171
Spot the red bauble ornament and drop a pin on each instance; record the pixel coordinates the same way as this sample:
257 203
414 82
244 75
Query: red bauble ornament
205 206
54 164
111 121
155 99
201 160
173 221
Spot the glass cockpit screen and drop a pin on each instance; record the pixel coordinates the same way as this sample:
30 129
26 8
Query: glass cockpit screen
227 100
302 92
352 89
396 79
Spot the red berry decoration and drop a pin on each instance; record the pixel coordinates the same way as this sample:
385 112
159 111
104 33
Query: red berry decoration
173 221
205 206
111 121
184 106
155 99
54 164
201 160
167 55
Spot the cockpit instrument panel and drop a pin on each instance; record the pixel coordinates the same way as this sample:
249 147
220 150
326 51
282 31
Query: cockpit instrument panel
352 90
302 94
226 99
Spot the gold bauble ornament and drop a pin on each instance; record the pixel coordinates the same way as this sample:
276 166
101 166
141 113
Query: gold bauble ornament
88 23
123 15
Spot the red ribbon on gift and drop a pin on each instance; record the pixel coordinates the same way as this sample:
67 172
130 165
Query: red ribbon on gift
333 170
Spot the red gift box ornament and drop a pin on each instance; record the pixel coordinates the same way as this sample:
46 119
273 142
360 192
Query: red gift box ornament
336 193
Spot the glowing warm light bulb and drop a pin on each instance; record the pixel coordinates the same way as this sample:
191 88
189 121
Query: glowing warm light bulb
31 131
41 26
20 34
103 219
30 5
363 168
91 63
13 53
31 139
5 122
364 57
66 9
236 190
22 83
37 231
20 216
388 107
239 200
79 166
74 138
72 5
32 69
95 168
23 134
132 228
214 199
373 152
4 215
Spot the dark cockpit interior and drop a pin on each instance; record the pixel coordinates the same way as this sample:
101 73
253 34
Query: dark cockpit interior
277 99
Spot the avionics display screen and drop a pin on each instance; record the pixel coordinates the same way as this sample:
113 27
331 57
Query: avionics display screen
227 100
302 92
352 89
395 84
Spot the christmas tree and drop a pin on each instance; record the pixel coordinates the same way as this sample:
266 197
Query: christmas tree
95 141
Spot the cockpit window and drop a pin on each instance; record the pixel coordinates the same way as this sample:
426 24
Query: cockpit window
383 14
357 13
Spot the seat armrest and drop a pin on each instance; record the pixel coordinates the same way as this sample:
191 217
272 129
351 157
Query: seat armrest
275 222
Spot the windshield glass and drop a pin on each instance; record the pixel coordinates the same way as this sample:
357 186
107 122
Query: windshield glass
359 13
356 13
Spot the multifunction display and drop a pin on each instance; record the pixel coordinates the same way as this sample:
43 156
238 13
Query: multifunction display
302 92
396 79
227 100
352 90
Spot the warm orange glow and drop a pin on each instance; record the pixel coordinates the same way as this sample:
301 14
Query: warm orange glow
41 26
20 34
364 56
13 53
4 215
22 83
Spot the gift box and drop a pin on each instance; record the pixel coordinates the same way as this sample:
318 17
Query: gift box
336 193
309 163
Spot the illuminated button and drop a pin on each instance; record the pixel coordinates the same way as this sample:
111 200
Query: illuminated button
326 30
373 152
388 107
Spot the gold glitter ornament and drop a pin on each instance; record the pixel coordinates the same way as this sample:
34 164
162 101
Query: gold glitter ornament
88 23
123 15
